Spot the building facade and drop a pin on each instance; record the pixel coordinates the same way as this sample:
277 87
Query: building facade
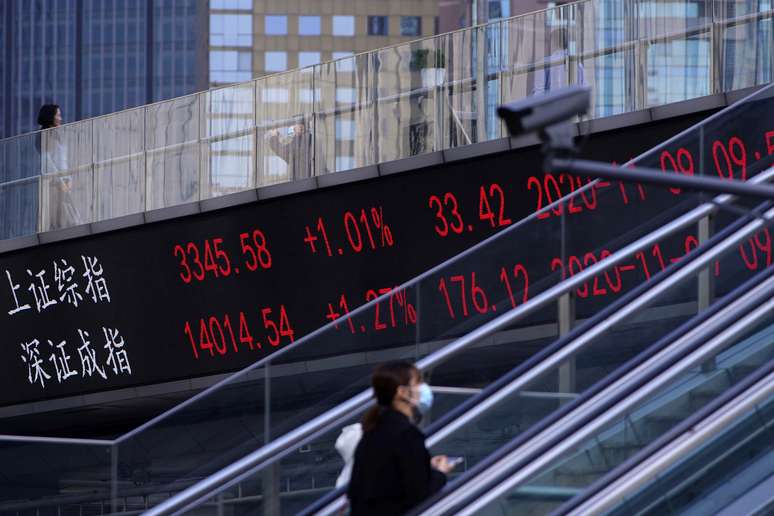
96 56
250 38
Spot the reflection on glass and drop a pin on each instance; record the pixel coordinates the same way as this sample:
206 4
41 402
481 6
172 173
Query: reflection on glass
427 95
172 144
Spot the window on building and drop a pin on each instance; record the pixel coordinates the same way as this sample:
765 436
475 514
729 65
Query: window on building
308 95
228 66
275 61
410 25
309 25
343 25
308 58
345 130
275 25
377 26
231 30
346 95
243 5
495 10
344 65
345 163
275 95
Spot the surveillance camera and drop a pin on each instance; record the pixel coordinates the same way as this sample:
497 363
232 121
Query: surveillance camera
541 111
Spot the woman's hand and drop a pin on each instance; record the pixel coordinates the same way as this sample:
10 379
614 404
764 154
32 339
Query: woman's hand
441 463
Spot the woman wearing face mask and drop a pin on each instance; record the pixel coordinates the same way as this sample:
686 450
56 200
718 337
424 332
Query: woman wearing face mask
393 471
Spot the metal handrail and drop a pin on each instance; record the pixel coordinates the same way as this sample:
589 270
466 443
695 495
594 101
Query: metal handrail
574 428
654 176
566 350
347 408
691 439
716 22
629 466
53 440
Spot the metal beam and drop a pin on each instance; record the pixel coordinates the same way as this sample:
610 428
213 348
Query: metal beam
657 177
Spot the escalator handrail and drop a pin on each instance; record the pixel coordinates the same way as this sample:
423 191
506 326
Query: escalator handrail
292 438
465 410
605 486
472 407
565 433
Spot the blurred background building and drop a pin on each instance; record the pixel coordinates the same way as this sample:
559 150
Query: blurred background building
94 57
249 38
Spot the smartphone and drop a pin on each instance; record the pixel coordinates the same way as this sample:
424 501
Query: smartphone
453 461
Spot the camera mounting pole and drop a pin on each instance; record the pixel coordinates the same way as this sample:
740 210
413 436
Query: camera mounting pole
549 115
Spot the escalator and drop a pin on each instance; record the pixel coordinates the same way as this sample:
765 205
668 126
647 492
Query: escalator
262 440
727 471
514 418
309 471
520 479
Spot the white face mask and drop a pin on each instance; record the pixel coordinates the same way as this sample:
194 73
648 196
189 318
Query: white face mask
424 400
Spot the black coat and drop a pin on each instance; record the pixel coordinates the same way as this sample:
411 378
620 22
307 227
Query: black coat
392 472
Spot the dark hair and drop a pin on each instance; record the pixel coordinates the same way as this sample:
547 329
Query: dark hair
46 115
385 382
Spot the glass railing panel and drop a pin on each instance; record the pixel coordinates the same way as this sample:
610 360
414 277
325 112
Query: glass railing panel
119 164
228 140
308 472
20 157
525 46
647 421
44 471
659 19
713 476
606 69
345 124
408 77
67 184
545 51
173 153
577 373
605 55
747 47
679 68
285 132
730 9
20 168
468 86
634 56
19 207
